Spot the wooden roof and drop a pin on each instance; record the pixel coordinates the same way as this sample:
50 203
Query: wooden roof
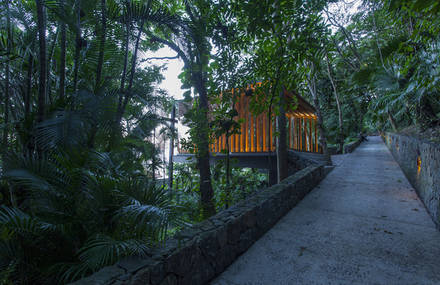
303 108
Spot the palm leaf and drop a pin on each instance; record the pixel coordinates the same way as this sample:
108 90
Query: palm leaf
18 222
103 250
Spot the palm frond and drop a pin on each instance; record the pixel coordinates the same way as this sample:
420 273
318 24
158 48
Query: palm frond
18 222
104 250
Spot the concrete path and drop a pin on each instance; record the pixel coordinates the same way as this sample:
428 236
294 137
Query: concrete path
362 225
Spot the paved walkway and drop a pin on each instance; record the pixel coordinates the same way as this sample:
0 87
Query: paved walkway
362 225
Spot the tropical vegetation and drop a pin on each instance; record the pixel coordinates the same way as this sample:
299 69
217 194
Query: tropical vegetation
83 120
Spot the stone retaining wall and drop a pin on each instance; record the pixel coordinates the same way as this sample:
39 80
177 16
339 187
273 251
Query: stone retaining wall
420 161
296 163
332 150
198 254
350 147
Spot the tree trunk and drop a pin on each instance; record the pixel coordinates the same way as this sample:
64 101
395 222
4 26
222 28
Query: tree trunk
77 45
29 145
94 128
322 134
170 160
124 70
49 66
101 43
132 71
7 71
311 80
392 121
206 192
62 67
228 170
122 86
42 60
338 104
273 176
27 101
153 159
282 164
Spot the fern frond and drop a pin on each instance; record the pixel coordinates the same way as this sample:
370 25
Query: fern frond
103 250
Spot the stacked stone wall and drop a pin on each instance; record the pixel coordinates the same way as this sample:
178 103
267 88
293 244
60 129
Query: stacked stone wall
199 253
350 147
420 161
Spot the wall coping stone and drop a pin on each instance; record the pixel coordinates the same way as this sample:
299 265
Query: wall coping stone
415 139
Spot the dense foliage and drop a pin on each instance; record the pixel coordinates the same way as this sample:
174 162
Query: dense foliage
386 65
83 121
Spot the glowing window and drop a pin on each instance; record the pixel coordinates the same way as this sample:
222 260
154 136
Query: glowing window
419 164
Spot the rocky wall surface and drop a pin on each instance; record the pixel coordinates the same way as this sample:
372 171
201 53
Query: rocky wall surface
420 161
199 253
296 162
332 150
350 147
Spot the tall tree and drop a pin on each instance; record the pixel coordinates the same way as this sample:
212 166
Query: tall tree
7 74
102 36
311 84
62 66
338 104
41 23
193 33
78 45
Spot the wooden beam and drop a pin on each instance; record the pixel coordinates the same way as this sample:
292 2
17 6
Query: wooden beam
244 131
252 133
240 114
306 136
269 133
237 136
272 129
310 135
300 135
264 131
219 144
298 146
292 130
289 135
257 133
316 136
295 135
244 127
231 143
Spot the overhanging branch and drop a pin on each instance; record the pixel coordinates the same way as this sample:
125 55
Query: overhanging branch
159 58
173 46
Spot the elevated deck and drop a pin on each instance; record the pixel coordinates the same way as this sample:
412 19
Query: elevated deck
261 160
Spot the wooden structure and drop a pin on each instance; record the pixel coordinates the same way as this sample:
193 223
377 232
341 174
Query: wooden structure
257 132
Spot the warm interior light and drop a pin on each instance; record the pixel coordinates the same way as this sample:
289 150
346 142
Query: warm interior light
419 164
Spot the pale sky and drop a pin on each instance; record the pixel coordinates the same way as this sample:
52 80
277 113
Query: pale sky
171 82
